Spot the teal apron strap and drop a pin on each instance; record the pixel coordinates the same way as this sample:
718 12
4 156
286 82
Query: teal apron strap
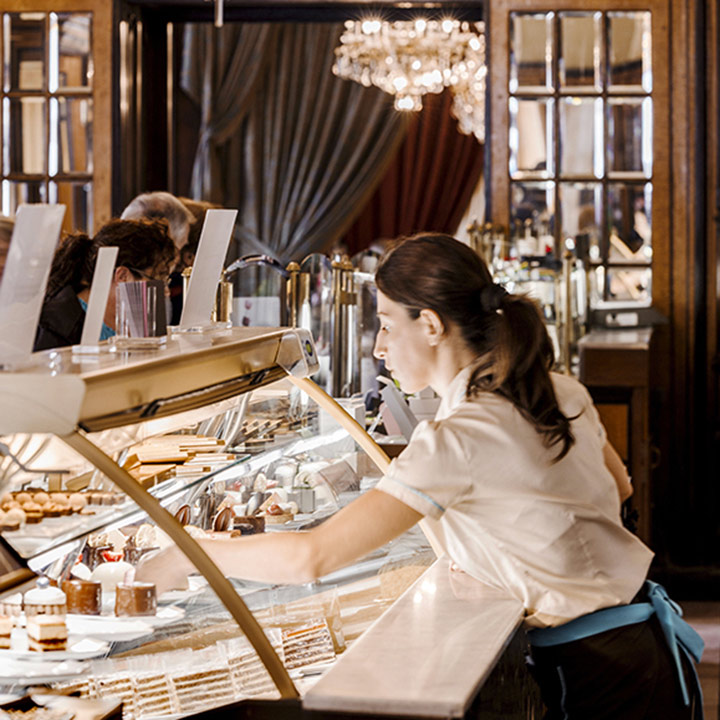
679 636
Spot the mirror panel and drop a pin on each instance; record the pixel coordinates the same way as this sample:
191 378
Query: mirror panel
579 61
70 51
24 39
581 213
581 137
531 137
628 285
78 200
629 52
25 141
533 201
630 222
15 193
70 135
531 52
629 136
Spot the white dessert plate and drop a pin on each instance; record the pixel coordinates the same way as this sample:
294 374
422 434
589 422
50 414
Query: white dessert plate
78 648
165 614
196 584
38 670
108 628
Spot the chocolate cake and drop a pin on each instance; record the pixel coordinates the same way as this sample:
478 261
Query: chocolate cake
84 597
135 599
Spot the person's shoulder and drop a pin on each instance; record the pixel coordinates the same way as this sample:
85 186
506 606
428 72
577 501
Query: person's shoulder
569 391
61 321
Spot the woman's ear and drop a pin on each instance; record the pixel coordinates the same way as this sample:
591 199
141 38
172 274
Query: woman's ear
432 325
122 274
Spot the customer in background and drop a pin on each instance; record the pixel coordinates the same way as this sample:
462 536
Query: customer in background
162 206
6 230
145 251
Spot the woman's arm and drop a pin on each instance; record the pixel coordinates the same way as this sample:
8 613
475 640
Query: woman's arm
618 470
365 524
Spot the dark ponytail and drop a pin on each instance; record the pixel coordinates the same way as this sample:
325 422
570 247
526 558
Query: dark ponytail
506 331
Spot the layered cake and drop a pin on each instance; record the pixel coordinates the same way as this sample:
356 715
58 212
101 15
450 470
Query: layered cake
6 626
45 600
84 597
135 598
46 632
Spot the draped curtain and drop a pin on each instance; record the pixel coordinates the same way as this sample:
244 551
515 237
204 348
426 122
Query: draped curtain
429 183
297 150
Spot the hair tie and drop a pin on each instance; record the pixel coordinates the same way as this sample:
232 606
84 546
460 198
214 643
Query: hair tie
491 297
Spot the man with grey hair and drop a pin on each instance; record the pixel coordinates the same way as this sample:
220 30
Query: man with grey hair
162 206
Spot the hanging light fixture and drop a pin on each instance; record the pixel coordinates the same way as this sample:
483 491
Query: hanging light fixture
409 59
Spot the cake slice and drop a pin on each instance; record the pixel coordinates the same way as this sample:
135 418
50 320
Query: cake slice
47 632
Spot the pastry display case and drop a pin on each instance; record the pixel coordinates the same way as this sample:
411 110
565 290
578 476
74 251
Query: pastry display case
109 458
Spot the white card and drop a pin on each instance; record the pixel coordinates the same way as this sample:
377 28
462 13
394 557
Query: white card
99 292
212 249
22 291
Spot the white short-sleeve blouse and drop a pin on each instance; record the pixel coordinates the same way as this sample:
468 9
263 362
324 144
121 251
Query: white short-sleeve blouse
548 533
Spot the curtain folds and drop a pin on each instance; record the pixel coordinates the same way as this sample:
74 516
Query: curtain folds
297 150
429 183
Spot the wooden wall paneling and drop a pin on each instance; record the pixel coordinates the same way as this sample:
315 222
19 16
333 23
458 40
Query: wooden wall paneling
101 89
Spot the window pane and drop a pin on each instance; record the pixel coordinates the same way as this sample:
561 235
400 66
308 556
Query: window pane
531 51
531 138
70 135
70 51
77 198
534 201
24 135
630 137
24 36
629 51
15 194
630 222
581 136
581 216
580 51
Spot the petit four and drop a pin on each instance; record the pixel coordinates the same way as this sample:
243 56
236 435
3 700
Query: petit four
135 598
84 597
44 600
47 633
6 626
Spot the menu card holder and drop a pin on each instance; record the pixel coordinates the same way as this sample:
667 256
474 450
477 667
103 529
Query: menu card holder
22 290
97 302
207 267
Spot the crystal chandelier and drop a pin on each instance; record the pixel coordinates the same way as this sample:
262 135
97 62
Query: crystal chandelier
411 58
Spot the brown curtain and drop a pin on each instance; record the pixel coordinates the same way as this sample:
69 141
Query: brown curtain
299 153
429 183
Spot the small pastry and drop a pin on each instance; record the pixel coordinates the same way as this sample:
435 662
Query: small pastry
77 502
84 597
223 520
276 515
46 633
32 517
41 497
183 515
12 607
59 498
135 598
6 626
44 600
15 515
23 497
109 574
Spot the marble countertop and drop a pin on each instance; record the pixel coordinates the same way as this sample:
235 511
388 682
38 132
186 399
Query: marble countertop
428 654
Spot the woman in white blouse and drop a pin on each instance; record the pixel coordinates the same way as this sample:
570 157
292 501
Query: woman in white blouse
513 479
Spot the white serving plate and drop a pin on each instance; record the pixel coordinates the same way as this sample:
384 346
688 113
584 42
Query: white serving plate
79 648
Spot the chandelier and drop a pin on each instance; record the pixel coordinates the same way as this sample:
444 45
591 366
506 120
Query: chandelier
413 57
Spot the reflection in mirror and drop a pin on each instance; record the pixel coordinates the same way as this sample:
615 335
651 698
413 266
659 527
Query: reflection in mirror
531 137
630 213
24 57
581 136
629 51
70 135
16 193
77 198
581 213
580 51
24 135
630 136
533 201
531 52
623 284
70 51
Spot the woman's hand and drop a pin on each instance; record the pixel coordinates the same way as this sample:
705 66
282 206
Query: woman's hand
164 568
